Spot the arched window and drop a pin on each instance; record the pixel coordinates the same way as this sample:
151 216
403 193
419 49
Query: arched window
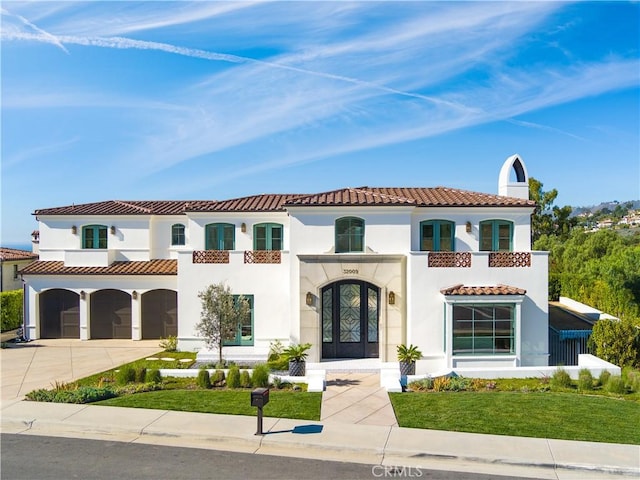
94 236
496 236
437 236
220 236
267 236
177 234
349 234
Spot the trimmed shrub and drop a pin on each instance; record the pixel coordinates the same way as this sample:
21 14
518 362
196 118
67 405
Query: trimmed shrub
141 374
153 376
10 310
560 379
125 375
603 378
79 395
203 380
422 385
233 377
169 344
457 384
245 379
260 376
615 384
585 380
440 384
218 378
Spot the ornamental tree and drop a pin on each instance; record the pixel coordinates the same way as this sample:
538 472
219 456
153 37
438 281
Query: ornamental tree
221 315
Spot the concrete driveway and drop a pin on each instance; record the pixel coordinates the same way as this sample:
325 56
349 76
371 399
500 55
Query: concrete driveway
40 363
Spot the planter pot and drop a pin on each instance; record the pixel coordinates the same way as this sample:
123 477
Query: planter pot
407 368
297 369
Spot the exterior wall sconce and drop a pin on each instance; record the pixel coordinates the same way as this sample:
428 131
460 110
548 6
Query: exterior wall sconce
83 295
134 295
74 230
309 298
468 227
243 227
392 298
113 230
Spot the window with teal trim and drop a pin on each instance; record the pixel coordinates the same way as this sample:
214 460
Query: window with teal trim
349 234
496 236
483 329
267 236
220 236
437 236
177 234
244 330
94 236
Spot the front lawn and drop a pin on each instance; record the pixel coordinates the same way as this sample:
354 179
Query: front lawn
568 416
282 404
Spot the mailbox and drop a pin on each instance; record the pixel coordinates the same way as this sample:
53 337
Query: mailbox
259 397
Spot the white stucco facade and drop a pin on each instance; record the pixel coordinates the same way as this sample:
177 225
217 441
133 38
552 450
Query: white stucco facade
286 254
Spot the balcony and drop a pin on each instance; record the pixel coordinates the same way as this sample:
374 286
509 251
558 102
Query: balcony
262 256
464 259
210 256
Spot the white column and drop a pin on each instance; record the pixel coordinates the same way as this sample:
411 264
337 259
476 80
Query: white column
31 314
136 316
85 321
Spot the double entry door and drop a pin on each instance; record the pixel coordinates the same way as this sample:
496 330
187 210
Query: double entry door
350 318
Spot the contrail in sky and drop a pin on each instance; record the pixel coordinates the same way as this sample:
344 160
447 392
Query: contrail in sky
47 36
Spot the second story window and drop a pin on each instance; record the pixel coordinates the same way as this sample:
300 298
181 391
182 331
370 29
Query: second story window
220 236
437 236
177 234
267 236
94 236
496 236
349 234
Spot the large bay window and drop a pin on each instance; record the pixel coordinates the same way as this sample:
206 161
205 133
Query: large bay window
483 329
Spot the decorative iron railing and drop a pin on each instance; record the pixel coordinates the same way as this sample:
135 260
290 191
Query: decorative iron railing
509 259
211 256
262 256
450 259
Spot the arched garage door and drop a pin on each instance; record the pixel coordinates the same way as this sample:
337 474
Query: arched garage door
110 314
159 314
59 314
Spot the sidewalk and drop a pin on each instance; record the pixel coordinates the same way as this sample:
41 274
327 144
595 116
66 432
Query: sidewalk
376 445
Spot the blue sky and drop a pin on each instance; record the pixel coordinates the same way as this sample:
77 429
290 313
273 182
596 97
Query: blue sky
215 100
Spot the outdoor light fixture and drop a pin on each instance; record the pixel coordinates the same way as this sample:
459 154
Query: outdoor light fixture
74 229
309 298
243 227
392 298
113 230
83 295
134 294
468 227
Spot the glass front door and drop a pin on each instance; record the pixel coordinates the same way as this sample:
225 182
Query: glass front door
350 312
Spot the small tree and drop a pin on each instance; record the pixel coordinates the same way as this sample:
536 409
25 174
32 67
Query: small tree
221 315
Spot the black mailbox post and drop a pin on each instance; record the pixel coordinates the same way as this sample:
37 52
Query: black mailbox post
259 398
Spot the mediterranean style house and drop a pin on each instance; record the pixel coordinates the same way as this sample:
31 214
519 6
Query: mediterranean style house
355 272
12 261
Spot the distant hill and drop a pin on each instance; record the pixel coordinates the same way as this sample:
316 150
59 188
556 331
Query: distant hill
611 206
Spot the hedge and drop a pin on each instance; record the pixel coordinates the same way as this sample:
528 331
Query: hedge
10 309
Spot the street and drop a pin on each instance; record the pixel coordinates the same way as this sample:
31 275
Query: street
28 457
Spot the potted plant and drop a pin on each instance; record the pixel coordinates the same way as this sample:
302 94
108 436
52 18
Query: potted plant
296 355
407 357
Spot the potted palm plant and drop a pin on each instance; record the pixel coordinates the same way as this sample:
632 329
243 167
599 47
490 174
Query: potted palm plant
407 356
297 355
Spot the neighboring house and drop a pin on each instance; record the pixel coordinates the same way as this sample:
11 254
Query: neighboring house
355 272
12 261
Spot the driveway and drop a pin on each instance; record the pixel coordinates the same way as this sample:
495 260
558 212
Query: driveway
40 363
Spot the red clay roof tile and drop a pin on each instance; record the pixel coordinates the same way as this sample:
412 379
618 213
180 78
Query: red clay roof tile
151 267
488 290
119 207
12 254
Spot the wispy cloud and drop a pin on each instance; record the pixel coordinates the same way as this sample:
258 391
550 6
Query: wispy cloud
45 36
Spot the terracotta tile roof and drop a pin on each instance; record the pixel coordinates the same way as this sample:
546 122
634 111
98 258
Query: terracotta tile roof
420 197
151 267
489 290
119 207
255 203
12 254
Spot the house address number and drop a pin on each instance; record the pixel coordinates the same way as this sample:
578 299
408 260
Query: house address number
350 271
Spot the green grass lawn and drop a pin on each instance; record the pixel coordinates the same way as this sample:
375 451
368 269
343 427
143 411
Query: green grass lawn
566 416
282 404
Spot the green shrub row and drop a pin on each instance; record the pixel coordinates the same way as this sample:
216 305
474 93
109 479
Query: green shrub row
79 395
127 374
234 378
10 310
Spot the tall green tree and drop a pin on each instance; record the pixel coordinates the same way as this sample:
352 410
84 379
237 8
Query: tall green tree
221 315
548 219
